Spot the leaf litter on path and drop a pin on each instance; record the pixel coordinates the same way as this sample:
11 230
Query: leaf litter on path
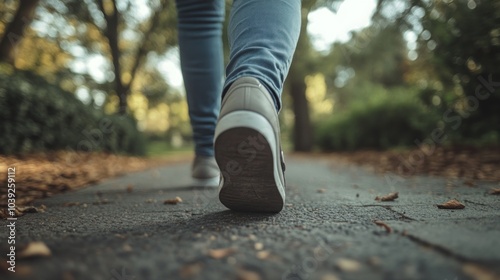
221 253
244 274
348 265
173 201
451 204
390 197
495 191
35 249
387 228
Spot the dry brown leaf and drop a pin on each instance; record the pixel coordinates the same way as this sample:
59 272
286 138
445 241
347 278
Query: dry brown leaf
3 214
130 188
221 253
258 246
387 228
35 249
469 183
262 255
348 265
21 210
191 270
495 191
29 209
45 174
321 190
329 276
389 197
127 248
451 204
173 201
244 274
121 236
477 272
374 261
69 204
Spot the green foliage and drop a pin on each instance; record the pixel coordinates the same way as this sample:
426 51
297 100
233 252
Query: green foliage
37 116
466 36
386 119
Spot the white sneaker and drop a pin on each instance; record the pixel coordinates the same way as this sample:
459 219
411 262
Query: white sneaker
205 172
248 150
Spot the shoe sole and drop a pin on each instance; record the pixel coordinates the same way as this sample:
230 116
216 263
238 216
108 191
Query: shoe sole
245 150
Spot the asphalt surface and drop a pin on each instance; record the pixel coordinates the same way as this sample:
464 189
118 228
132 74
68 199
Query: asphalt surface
121 229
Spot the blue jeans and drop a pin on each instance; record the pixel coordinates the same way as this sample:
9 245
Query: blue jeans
262 35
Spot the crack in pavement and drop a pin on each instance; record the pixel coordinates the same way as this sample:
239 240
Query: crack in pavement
453 255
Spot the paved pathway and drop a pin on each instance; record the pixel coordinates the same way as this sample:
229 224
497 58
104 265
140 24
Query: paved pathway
326 230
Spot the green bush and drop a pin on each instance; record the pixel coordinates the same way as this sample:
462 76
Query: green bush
38 116
385 120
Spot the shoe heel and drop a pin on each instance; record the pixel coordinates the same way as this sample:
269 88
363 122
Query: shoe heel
246 152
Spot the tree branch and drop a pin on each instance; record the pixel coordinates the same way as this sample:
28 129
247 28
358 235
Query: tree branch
143 49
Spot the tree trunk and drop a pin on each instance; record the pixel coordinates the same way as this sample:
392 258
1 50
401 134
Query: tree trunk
111 33
302 132
15 29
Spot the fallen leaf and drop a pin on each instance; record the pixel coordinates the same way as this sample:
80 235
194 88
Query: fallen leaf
469 183
121 236
258 246
321 190
173 201
348 265
329 276
388 229
244 274
35 249
21 210
389 197
495 191
190 270
130 188
374 261
3 214
262 255
451 204
127 248
477 272
69 204
221 253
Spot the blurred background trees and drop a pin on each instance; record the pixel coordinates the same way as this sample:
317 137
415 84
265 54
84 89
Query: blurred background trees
421 68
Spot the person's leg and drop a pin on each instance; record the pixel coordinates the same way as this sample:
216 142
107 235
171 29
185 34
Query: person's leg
263 35
200 45
201 54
